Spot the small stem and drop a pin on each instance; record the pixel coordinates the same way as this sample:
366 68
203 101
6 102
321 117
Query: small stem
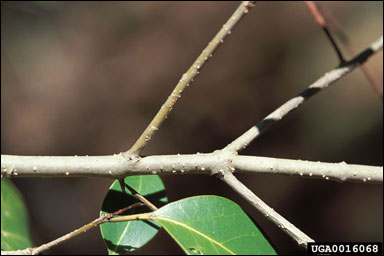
321 21
292 104
102 219
188 78
301 238
109 216
141 198
334 25
140 216
122 185
334 44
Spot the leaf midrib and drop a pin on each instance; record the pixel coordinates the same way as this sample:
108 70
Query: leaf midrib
193 230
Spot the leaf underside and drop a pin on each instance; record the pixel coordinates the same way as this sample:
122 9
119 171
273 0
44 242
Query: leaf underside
125 237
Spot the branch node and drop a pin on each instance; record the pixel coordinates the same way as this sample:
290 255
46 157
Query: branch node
224 163
134 158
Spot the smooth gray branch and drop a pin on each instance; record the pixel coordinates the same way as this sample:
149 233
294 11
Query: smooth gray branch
187 78
117 166
292 104
340 172
301 238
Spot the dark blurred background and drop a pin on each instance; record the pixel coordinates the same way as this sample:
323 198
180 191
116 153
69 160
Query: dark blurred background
83 78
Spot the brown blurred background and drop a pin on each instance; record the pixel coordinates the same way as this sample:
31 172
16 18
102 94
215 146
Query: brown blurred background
83 78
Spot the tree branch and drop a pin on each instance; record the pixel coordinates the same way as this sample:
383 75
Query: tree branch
187 79
114 166
210 163
292 104
102 219
221 163
325 19
301 238
340 172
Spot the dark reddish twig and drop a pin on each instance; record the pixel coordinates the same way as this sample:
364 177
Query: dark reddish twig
142 199
325 18
321 21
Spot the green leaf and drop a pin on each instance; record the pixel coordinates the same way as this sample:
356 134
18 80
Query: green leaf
212 225
14 218
125 237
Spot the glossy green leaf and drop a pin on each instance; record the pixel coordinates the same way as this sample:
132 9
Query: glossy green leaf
14 218
125 237
212 225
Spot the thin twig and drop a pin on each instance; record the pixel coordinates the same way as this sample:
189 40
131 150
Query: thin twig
102 219
320 20
141 198
301 238
188 78
29 166
322 83
331 21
